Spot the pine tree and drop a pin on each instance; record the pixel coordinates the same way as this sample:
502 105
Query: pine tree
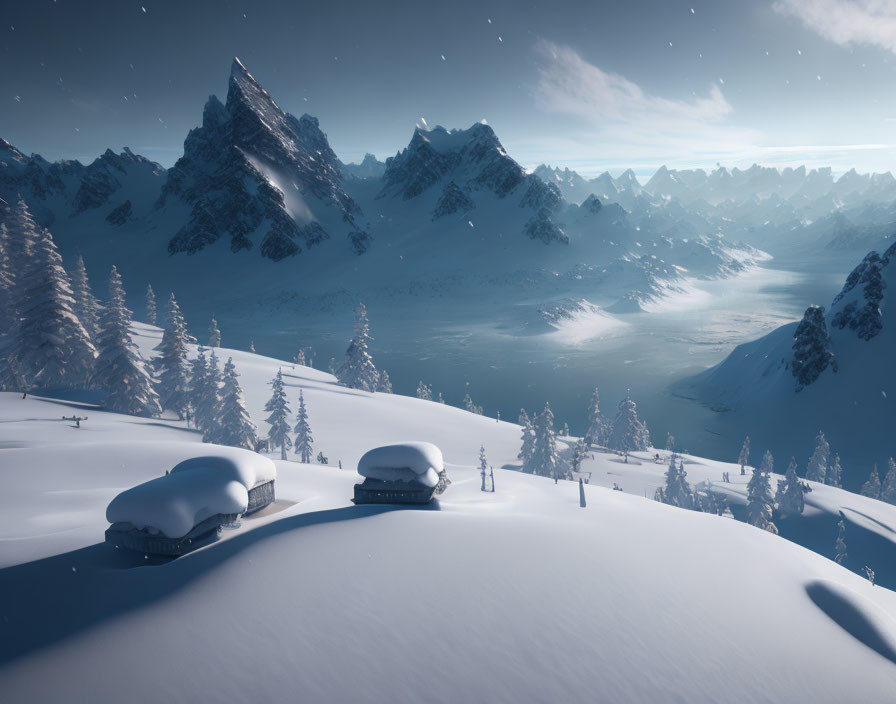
872 487
596 432
888 488
670 442
483 465
384 385
834 476
811 348
544 459
174 384
303 443
629 433
357 370
205 385
22 233
233 426
278 407
85 302
676 491
120 370
469 406
528 439
840 546
760 504
214 335
582 502
252 346
578 455
792 501
743 459
198 382
150 305
818 462
50 346
424 392
768 463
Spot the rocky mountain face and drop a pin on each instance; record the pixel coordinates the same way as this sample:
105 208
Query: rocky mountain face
468 164
256 174
69 188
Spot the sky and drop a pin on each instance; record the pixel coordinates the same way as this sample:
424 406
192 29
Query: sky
588 85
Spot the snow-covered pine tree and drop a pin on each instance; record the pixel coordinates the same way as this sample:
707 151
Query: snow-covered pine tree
582 502
278 407
424 392
214 335
85 302
206 393
760 503
440 398
174 382
483 465
817 468
840 545
151 313
888 487
21 236
834 476
676 491
120 370
304 441
544 460
233 425
50 347
670 442
252 346
527 438
198 381
595 433
357 371
811 348
300 358
743 459
768 463
629 432
871 488
8 295
469 406
578 455
384 385
792 501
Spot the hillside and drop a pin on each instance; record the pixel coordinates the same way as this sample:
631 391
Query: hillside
520 595
848 395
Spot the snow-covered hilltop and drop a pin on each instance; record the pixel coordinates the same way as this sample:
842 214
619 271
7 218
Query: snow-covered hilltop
831 370
525 595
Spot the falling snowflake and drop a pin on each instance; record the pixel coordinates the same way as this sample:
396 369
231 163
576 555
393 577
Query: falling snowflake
884 393
670 43
443 57
818 76
143 8
423 120
500 40
18 98
692 10
799 52
721 80
489 20
470 223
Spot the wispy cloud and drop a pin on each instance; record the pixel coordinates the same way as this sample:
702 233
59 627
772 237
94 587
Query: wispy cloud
569 84
846 21
613 117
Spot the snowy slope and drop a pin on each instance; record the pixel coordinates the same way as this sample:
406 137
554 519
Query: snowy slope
757 392
514 596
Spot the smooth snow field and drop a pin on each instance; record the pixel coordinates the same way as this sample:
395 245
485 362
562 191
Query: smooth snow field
514 596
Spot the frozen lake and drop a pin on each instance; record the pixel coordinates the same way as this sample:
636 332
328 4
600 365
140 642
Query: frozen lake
644 352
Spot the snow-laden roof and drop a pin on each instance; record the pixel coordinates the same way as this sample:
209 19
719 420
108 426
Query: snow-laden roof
196 489
406 461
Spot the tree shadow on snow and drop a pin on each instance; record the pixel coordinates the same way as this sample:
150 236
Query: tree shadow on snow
47 600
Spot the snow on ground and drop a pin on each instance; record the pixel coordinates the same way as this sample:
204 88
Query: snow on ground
515 596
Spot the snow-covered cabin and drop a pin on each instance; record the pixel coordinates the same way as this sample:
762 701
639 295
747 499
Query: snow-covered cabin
173 514
404 473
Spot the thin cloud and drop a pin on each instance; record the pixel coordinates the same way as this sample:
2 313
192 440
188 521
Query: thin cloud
846 22
569 84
